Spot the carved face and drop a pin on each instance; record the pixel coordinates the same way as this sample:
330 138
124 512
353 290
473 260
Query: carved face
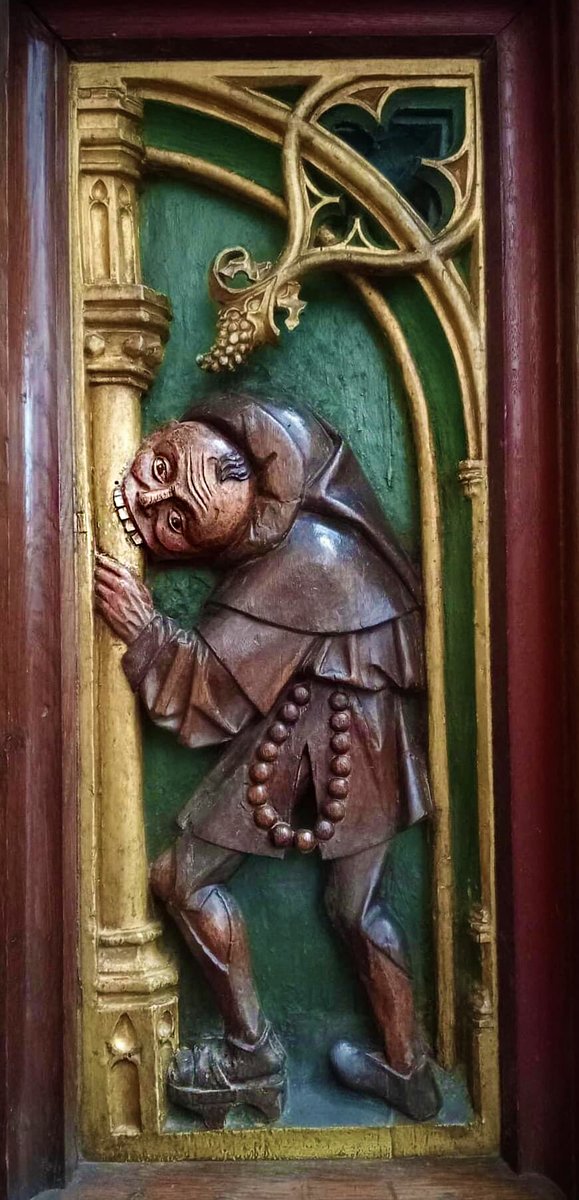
189 492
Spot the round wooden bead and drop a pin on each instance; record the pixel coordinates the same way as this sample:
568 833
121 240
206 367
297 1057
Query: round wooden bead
334 810
301 694
257 794
268 751
282 835
339 788
339 701
289 713
324 830
278 732
341 743
340 721
305 841
341 765
265 817
260 772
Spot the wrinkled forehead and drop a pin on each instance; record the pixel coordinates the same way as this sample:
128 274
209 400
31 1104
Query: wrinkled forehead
186 438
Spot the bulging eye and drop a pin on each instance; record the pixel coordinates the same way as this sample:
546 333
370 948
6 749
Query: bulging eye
175 521
161 469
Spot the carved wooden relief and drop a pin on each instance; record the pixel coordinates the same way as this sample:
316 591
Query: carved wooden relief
290 570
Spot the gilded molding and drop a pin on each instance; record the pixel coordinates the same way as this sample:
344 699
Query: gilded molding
109 133
481 1008
126 327
135 965
480 925
472 476
443 882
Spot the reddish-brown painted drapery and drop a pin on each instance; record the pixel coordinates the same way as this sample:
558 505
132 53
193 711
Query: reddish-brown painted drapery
531 100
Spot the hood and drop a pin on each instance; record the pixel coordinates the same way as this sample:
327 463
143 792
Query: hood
301 465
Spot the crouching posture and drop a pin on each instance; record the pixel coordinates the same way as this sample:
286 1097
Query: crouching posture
300 662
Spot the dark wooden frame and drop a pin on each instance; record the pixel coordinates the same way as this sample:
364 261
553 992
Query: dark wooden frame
37 639
530 50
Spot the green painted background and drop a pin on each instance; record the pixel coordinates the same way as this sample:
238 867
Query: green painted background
337 363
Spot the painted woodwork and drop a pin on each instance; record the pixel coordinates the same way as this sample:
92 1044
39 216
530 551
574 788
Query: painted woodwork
302 661
535 1129
410 245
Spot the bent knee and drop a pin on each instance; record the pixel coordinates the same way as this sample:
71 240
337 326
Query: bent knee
383 931
162 874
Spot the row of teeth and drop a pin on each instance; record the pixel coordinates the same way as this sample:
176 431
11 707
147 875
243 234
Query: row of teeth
125 517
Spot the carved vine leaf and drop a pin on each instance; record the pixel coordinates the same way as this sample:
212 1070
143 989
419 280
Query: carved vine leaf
246 314
288 297
237 261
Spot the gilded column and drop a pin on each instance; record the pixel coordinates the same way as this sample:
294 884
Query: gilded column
125 327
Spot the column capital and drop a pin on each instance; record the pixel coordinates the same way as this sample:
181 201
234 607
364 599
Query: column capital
109 132
126 328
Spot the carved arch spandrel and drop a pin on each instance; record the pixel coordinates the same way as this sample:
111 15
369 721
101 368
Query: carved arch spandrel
429 259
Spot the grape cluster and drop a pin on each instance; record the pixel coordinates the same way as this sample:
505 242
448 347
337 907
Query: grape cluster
235 339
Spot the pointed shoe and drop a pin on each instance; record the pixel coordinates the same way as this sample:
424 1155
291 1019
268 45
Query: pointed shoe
415 1094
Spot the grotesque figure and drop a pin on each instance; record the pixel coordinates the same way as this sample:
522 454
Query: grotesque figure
300 663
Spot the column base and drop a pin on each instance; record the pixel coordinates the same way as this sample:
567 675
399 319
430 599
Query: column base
131 1036
132 961
132 1041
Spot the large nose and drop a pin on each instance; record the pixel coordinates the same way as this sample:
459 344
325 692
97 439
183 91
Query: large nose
148 497
141 468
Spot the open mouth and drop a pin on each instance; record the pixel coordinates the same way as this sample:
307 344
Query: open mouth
125 517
